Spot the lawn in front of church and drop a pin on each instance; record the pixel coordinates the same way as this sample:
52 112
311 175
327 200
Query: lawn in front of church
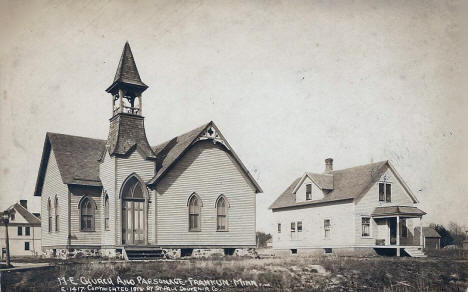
247 274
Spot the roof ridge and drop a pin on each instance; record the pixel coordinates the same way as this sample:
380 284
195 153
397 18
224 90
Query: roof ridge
75 136
169 140
362 165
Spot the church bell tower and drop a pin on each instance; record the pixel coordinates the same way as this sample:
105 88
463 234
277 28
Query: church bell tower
127 131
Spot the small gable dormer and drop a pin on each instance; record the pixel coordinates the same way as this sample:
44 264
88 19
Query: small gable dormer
308 191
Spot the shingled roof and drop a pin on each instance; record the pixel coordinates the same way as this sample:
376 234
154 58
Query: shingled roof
30 218
127 72
428 232
78 157
348 184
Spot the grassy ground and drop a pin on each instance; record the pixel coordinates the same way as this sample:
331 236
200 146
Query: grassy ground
269 274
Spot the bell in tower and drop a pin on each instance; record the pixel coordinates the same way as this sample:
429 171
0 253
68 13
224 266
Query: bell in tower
127 87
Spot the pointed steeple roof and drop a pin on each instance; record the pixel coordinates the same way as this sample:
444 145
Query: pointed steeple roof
127 73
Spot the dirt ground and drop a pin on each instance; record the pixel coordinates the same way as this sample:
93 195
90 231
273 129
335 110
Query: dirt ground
292 273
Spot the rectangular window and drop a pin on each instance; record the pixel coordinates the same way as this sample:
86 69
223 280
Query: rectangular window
27 230
381 192
308 192
404 229
20 230
299 226
50 224
327 228
388 192
293 230
279 227
365 226
56 222
26 245
385 192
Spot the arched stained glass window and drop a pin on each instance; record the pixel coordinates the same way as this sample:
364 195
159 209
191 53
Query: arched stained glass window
87 214
221 214
194 205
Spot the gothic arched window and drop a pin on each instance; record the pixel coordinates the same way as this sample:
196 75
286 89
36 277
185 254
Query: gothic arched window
221 214
49 215
132 189
87 214
56 206
106 212
194 206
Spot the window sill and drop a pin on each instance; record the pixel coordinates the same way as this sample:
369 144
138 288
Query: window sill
194 230
86 231
222 230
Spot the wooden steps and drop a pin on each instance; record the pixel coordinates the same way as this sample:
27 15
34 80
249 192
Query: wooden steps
143 253
415 252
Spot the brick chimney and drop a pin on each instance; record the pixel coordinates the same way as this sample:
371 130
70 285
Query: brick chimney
328 165
24 203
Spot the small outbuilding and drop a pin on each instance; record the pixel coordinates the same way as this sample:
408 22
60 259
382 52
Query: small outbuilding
431 238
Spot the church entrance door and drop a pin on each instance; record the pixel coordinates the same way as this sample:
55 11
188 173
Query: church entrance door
133 213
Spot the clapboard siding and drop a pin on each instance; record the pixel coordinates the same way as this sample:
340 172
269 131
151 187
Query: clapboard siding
366 205
107 175
210 171
77 236
145 169
313 234
53 186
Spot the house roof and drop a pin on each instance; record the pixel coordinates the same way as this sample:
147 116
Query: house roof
30 218
397 210
350 183
127 71
428 232
78 157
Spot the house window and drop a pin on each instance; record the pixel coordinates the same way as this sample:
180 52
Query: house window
221 214
404 229
293 230
385 192
327 228
365 226
49 215
27 230
20 230
194 213
56 205
279 227
299 226
87 208
388 192
106 212
26 245
308 192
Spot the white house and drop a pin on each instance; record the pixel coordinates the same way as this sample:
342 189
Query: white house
123 197
365 208
24 232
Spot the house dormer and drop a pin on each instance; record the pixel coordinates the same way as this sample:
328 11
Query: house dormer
308 190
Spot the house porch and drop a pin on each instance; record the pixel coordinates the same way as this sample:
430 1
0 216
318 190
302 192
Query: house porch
395 228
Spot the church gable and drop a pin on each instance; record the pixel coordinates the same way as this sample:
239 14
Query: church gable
170 152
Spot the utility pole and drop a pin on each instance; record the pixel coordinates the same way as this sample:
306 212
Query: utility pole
6 220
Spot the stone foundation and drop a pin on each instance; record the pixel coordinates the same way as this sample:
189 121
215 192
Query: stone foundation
316 252
177 253
63 253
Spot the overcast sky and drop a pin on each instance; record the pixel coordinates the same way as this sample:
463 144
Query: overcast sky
288 83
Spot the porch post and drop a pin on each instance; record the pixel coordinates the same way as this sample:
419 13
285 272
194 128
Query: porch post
421 242
398 235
